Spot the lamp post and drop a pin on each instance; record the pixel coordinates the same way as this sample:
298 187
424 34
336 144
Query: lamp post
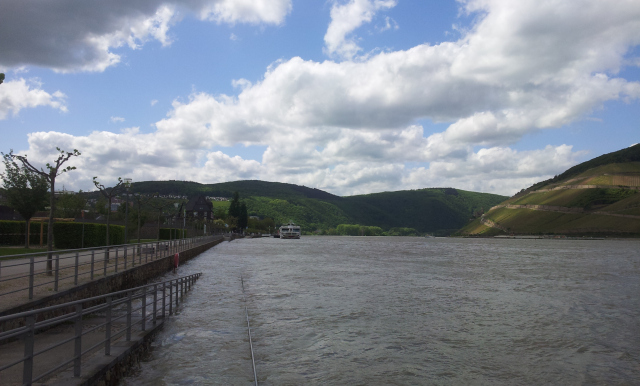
127 185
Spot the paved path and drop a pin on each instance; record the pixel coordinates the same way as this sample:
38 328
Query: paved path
15 280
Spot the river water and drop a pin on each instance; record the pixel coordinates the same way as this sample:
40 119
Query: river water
406 311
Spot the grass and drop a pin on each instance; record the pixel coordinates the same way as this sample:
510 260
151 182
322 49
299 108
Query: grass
555 198
614 168
632 180
531 221
577 198
477 228
526 221
221 204
630 205
600 223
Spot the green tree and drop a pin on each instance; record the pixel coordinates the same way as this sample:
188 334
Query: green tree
26 191
243 220
109 193
53 171
234 206
1 78
70 205
220 213
219 225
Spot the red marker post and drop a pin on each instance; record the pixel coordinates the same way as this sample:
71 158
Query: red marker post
176 260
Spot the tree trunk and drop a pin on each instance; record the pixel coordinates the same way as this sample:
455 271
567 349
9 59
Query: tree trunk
108 218
52 208
138 224
26 233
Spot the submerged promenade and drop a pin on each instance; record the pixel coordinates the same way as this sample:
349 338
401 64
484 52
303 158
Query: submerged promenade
93 315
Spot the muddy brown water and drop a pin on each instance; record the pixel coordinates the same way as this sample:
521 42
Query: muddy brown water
406 311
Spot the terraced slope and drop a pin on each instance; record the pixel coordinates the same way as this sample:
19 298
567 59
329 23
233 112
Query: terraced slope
603 200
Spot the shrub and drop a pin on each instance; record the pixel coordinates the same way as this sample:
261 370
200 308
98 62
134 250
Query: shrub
12 233
68 235
172 233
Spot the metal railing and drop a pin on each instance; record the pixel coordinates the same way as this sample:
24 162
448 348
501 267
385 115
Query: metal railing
117 313
28 273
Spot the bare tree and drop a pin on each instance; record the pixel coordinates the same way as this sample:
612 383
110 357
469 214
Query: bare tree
109 193
159 205
52 172
140 201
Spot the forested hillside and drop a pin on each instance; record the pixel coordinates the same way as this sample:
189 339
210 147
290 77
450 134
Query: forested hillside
437 211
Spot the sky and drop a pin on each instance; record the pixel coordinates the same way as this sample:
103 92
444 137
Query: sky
347 96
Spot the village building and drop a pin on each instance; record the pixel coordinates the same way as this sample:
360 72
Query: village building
197 208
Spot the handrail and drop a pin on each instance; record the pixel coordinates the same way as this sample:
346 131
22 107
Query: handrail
69 267
152 296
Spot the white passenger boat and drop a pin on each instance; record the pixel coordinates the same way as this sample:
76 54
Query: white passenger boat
290 231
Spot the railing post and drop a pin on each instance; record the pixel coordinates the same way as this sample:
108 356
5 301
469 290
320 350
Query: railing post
177 297
93 255
129 301
157 250
133 259
107 338
77 358
75 276
171 297
144 309
155 301
164 300
55 285
106 260
29 338
31 276
116 260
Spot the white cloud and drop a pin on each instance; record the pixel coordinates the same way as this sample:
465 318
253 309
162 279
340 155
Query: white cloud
19 94
31 32
350 127
247 11
116 119
346 18
153 102
389 23
234 37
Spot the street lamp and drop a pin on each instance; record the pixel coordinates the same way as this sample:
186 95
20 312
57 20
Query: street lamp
127 185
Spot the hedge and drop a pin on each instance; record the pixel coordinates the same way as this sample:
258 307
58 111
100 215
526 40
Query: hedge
12 233
175 233
68 235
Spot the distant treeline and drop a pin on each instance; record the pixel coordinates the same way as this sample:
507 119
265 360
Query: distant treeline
363 230
435 210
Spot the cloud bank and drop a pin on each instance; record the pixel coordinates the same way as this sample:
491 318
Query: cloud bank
350 127
76 35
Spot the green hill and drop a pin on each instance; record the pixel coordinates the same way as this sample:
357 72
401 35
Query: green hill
439 211
600 197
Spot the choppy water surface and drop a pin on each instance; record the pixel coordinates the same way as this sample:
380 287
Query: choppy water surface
406 311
